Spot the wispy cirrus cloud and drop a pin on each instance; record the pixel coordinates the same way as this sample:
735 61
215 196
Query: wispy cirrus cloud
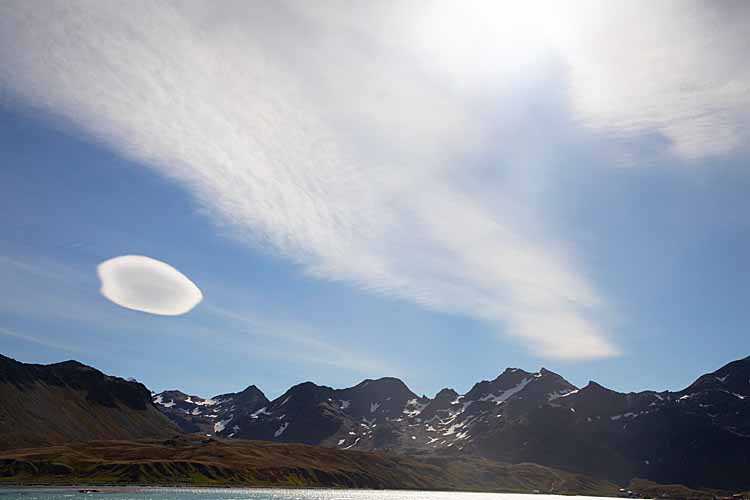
676 68
304 343
51 344
331 147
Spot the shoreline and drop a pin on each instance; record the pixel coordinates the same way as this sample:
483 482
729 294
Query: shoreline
112 488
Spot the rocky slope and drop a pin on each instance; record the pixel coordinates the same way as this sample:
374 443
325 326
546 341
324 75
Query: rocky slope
208 416
69 401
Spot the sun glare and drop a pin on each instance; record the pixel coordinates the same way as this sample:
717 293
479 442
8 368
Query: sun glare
483 40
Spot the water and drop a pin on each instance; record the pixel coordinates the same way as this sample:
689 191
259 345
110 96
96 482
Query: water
257 494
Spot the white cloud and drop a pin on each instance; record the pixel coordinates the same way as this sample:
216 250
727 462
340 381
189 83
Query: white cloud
332 147
148 285
673 67
677 68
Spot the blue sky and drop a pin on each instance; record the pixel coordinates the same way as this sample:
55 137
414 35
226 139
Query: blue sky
434 194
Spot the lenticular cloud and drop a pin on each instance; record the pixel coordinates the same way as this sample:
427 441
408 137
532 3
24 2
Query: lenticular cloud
149 285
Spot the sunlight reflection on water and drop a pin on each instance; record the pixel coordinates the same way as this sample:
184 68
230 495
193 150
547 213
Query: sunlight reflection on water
258 494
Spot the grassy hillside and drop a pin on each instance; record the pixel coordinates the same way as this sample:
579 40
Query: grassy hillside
201 461
62 402
650 489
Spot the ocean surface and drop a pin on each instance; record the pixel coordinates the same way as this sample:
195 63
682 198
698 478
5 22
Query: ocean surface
256 494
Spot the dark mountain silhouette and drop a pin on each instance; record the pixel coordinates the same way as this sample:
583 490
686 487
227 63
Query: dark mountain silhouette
69 401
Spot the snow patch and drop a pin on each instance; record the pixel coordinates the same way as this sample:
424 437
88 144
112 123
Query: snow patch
570 393
463 435
352 445
262 411
281 429
559 394
501 398
413 408
221 424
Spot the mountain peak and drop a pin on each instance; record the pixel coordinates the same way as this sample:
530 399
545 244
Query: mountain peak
446 394
510 370
593 385
508 379
383 387
732 377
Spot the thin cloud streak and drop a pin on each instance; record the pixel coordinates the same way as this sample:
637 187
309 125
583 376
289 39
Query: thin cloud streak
319 145
39 341
307 346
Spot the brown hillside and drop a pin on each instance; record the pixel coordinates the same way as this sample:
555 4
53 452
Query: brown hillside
203 461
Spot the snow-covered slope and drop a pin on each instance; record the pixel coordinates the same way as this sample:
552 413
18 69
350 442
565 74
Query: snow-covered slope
208 416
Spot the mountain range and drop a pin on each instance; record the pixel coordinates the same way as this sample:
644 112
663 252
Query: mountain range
699 436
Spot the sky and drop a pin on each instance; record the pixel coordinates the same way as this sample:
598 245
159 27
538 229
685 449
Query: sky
205 197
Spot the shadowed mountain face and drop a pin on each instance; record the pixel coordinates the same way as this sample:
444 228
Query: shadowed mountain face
699 436
43 404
